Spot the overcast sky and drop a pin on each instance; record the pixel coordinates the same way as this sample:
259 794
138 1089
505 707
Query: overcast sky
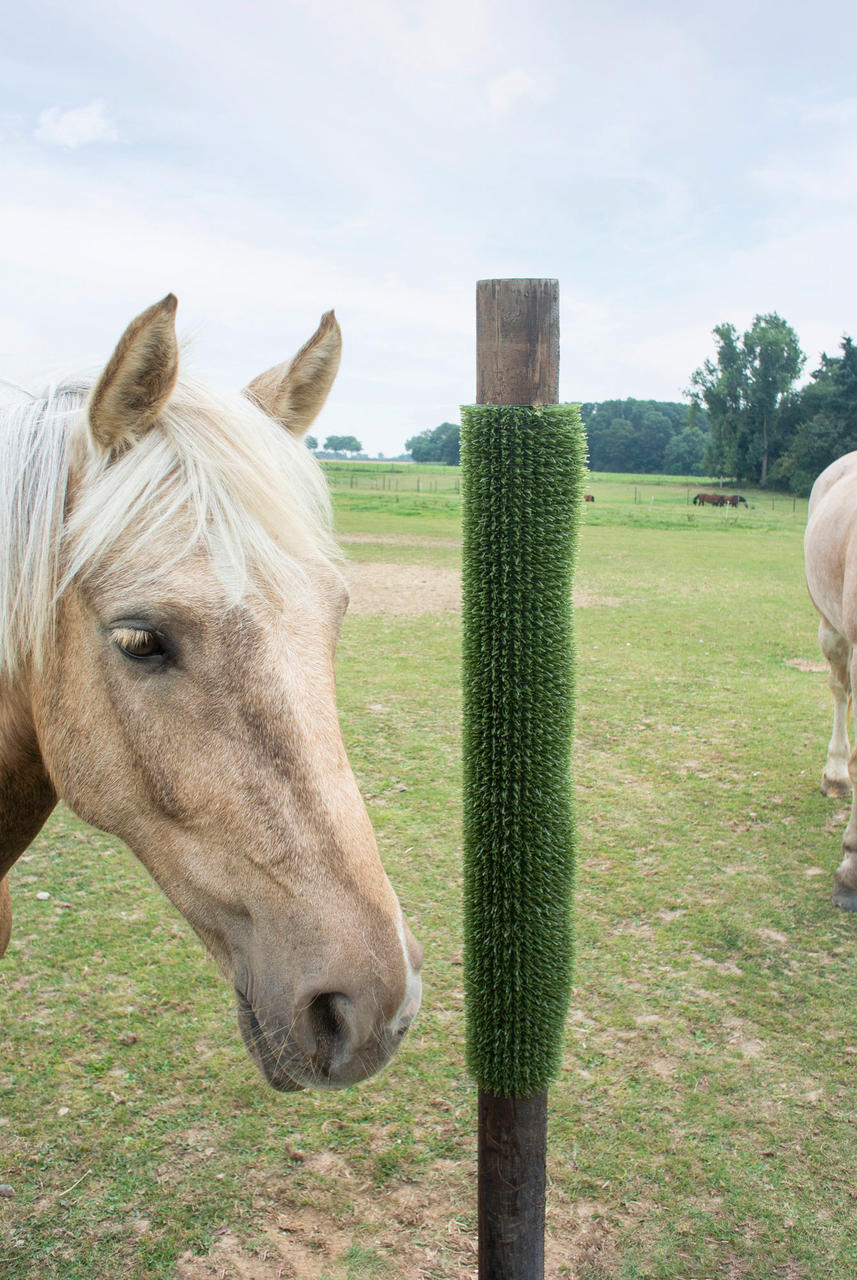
674 165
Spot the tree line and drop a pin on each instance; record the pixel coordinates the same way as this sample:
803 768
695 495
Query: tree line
438 444
624 435
765 430
657 436
746 419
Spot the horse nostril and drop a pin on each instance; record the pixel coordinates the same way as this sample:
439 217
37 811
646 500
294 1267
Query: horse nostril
323 1030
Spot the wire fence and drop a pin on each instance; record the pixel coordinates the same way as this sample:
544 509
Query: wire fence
392 477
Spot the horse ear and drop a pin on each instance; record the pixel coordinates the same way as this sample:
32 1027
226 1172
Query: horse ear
138 380
294 393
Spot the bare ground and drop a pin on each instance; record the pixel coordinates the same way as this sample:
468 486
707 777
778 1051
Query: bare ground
382 588
413 1231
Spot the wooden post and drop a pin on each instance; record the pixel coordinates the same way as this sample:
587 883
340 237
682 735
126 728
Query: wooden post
511 1155
517 354
517 342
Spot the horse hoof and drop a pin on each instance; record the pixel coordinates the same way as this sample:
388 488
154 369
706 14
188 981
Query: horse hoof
835 789
845 898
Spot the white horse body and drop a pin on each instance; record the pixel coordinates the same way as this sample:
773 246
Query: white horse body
831 575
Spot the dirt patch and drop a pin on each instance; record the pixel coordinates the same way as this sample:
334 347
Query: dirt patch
382 588
411 1231
804 664
399 540
403 588
836 822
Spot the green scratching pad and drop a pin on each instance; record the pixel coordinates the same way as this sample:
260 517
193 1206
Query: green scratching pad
523 473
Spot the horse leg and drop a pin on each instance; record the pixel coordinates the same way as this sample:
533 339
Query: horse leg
845 878
836 779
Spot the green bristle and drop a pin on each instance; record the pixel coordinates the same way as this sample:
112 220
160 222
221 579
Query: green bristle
523 473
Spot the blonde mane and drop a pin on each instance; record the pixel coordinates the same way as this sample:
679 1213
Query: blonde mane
214 475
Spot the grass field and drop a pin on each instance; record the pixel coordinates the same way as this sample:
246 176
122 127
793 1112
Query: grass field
702 1125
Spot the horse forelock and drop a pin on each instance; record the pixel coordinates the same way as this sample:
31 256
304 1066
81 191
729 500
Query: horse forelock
214 476
34 462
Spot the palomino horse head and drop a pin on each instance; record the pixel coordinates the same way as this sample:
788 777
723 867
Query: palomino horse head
169 615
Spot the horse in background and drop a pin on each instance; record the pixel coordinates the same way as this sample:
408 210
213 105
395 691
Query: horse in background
169 610
709 499
830 547
719 500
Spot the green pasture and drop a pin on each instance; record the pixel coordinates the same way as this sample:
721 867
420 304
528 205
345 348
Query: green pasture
426 497
702 1125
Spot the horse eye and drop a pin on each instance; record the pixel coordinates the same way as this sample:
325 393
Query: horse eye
136 642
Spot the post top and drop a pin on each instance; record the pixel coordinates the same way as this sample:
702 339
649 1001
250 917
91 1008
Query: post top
519 280
517 341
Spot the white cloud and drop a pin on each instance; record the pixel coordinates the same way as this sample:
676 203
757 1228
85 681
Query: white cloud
74 275
516 86
818 180
411 150
76 127
841 113
437 37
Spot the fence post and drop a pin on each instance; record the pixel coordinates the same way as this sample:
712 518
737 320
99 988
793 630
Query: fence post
522 480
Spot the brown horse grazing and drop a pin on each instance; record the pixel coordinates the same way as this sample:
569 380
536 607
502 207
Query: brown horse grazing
736 499
831 573
711 499
589 497
169 611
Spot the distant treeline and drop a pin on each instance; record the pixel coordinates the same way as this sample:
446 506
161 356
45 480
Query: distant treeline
440 444
624 435
657 436
748 421
763 428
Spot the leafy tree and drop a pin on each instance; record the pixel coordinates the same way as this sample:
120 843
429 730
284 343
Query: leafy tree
311 442
343 444
617 446
440 444
634 435
450 452
746 391
824 416
653 437
720 387
685 453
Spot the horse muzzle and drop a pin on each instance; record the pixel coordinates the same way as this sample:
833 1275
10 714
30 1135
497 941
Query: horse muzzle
328 1044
